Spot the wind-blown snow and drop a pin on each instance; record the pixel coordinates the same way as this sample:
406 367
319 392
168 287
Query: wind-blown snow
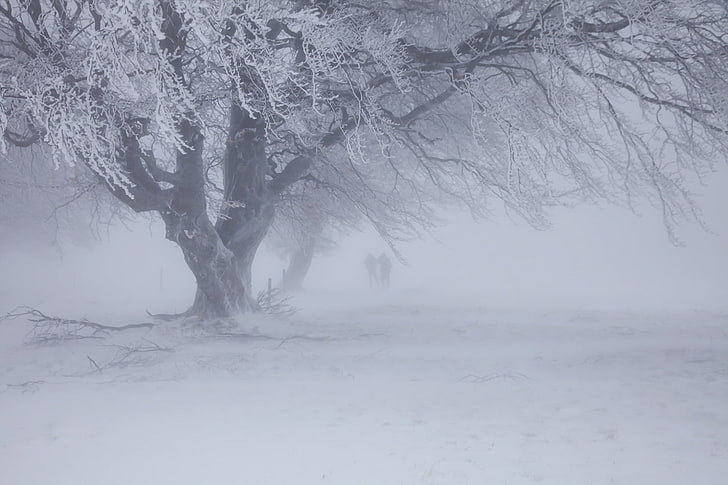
376 390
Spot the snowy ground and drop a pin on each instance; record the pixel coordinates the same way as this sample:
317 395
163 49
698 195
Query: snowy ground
386 390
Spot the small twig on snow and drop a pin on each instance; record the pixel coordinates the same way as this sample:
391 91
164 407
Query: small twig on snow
491 377
126 351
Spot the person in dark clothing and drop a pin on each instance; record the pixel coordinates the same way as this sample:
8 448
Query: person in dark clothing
385 267
371 264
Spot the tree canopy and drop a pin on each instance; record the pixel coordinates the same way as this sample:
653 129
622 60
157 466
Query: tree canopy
214 113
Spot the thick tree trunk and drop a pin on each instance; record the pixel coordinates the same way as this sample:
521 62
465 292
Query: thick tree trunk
223 290
223 271
221 255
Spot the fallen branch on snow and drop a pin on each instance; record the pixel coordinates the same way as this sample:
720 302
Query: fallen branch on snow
124 352
47 328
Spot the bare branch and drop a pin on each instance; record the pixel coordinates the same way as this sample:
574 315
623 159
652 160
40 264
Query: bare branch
48 329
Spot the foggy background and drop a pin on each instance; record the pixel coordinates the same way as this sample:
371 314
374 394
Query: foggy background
593 257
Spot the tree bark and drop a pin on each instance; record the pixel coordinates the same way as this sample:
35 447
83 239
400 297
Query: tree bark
230 290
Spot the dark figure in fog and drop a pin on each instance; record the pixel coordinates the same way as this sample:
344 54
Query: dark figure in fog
371 263
385 267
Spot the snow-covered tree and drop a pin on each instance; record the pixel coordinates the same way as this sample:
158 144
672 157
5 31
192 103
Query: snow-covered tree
390 105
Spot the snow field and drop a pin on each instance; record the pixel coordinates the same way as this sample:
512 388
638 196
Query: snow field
376 392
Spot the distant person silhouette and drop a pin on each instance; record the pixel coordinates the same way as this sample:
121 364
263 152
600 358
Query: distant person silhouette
371 264
385 267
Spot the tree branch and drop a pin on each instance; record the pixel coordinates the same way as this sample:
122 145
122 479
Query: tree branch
293 172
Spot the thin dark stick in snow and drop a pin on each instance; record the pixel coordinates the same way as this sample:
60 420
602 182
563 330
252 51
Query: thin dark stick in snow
94 363
27 386
168 317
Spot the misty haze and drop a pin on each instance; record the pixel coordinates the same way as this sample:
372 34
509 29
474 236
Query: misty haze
382 242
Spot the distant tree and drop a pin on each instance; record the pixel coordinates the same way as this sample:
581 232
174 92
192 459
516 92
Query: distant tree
389 105
308 222
298 237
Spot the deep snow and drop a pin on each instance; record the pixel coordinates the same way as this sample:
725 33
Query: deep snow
377 389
